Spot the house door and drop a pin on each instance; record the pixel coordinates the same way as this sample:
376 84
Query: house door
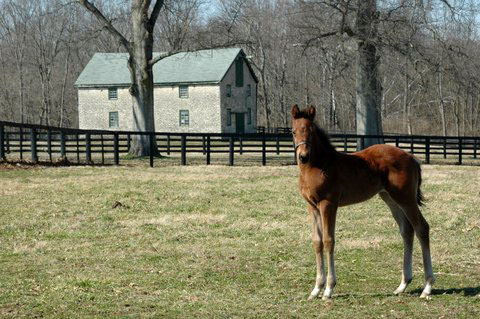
240 123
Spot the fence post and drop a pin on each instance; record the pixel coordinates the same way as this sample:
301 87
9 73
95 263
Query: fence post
444 147
78 147
63 151
21 143
2 143
474 147
278 144
345 146
49 144
264 150
115 149
460 150
88 148
129 143
412 150
168 144
427 150
7 140
231 151
152 136
103 149
33 144
208 150
240 139
203 145
184 150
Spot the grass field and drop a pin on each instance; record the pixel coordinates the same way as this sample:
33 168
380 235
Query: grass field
220 242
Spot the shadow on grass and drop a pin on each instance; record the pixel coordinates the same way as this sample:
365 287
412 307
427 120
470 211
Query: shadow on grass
466 291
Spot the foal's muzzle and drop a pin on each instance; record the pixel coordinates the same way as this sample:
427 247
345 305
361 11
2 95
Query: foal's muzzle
303 157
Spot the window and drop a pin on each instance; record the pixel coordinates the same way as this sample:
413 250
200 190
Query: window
184 118
239 73
229 117
113 119
112 93
249 90
249 116
229 90
183 91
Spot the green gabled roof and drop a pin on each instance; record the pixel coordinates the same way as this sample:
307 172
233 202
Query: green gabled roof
204 66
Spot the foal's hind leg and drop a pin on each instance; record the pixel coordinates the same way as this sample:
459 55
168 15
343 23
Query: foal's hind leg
422 230
406 230
318 249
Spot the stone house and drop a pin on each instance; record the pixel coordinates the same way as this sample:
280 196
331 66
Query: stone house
208 91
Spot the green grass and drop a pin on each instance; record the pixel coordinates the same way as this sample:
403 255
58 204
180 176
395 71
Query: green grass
220 242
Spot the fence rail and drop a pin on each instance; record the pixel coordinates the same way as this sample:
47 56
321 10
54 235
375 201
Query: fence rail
98 146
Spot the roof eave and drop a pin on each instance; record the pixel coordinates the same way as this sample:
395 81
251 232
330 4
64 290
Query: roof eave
106 85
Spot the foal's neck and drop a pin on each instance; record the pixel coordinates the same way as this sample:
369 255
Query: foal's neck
324 153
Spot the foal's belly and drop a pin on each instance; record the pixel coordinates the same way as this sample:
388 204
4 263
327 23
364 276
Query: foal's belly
354 195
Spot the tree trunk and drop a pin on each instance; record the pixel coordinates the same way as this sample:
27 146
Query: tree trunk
142 79
442 103
367 85
140 63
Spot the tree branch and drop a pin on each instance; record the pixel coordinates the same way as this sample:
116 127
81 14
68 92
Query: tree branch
108 24
155 12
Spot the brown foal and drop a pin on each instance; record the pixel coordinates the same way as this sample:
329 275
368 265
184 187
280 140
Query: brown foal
330 179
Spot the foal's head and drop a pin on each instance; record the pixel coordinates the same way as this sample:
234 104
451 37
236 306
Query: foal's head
311 142
303 130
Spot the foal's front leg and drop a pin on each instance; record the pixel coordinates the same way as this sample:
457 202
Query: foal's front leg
329 213
318 249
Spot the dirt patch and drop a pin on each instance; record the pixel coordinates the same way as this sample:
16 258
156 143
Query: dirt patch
23 165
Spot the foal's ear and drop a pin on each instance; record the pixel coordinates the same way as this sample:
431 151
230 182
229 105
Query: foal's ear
295 111
311 112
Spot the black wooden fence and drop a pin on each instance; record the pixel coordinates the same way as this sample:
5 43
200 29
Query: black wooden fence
22 141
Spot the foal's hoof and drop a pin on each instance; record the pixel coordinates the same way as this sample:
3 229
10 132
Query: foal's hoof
426 296
327 294
311 297
400 290
314 294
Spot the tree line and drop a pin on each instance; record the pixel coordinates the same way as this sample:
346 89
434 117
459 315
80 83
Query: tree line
422 63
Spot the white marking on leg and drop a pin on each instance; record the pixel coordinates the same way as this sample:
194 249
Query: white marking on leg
407 273
315 293
429 277
331 280
319 284
327 294
427 291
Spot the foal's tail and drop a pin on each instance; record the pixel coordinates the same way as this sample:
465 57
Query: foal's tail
420 198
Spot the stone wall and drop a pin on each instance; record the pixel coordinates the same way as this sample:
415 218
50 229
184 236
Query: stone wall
94 107
202 104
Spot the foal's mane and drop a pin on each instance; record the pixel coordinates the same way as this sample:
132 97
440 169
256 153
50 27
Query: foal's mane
324 140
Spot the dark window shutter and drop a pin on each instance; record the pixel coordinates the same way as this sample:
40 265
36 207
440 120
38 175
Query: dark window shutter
239 73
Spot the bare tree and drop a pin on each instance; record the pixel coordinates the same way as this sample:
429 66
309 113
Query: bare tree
15 23
144 16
